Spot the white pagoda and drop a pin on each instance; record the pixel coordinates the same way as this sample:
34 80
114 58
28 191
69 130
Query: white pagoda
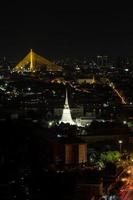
66 115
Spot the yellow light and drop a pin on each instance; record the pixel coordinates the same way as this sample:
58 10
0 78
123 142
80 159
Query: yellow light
123 179
117 92
122 99
31 60
36 60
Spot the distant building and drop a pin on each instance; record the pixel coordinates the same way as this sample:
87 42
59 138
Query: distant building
75 111
75 153
83 121
86 80
102 60
66 115
70 151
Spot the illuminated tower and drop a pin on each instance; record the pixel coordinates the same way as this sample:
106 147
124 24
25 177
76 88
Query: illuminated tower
66 115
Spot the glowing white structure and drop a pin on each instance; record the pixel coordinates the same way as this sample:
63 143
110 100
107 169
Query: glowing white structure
66 115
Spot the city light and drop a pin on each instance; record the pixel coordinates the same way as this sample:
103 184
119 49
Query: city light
120 143
66 109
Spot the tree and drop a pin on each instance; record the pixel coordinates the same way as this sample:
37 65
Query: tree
110 156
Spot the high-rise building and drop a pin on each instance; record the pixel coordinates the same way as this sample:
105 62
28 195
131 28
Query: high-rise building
102 60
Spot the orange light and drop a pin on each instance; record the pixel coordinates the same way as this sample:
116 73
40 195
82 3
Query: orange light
123 179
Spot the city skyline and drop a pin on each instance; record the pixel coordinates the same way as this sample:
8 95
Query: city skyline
66 101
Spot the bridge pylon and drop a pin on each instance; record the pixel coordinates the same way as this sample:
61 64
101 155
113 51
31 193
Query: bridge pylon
33 62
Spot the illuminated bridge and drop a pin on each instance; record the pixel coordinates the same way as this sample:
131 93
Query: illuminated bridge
34 62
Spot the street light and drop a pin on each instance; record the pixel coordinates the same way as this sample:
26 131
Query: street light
120 143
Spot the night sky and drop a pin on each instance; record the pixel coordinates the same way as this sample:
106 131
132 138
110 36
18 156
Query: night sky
60 31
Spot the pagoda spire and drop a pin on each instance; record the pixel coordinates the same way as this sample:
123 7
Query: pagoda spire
66 115
66 101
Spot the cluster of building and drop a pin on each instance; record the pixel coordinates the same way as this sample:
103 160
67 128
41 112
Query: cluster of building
77 105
